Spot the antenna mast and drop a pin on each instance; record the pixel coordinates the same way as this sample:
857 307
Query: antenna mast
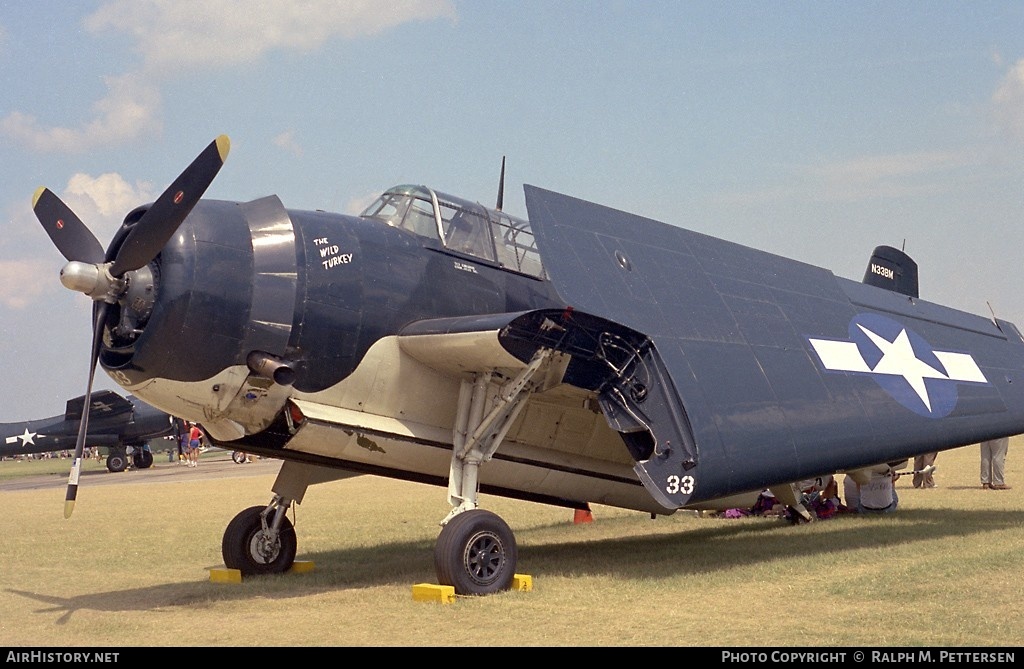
501 185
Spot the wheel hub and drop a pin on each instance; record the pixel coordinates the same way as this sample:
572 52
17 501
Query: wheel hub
264 547
484 556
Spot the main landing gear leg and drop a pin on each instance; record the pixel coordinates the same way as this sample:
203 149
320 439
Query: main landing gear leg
476 550
261 540
797 511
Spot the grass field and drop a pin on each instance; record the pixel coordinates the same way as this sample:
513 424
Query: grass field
130 569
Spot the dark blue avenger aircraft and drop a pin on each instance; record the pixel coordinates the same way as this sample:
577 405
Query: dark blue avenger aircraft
117 425
587 355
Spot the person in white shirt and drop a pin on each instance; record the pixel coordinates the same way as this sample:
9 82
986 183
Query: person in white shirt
876 495
879 494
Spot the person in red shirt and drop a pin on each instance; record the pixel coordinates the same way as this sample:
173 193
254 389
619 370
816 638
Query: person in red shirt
195 440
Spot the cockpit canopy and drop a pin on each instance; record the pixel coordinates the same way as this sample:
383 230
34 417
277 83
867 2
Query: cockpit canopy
462 226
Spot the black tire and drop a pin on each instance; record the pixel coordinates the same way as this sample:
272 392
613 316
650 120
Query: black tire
794 517
476 553
243 545
142 459
117 461
238 457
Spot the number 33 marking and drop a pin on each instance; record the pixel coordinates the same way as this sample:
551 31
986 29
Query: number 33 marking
678 485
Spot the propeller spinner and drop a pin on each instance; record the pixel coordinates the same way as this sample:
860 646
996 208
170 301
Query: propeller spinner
87 270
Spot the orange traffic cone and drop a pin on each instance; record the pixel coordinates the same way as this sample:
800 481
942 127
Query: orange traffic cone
583 516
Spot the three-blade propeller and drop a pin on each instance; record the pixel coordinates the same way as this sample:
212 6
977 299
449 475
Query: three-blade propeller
144 242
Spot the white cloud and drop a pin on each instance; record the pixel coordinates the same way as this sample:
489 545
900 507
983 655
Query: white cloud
18 287
286 141
172 35
914 174
357 204
102 202
1008 102
874 169
129 109
866 177
30 264
184 33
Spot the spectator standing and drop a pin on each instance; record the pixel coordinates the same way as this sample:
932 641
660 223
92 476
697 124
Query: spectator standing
195 440
183 443
922 480
993 461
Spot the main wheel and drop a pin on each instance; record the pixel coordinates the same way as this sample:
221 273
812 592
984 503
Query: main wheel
794 517
117 461
238 457
142 459
249 549
476 553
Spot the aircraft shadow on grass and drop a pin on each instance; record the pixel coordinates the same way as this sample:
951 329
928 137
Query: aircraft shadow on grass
750 541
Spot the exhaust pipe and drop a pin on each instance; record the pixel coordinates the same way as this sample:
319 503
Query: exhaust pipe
270 367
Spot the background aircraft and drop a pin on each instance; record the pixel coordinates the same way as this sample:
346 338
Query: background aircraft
587 355
116 424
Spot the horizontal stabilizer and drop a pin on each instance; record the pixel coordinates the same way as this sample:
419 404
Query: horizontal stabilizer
103 403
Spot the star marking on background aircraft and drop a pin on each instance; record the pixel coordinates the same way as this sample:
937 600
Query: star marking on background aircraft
888 351
26 438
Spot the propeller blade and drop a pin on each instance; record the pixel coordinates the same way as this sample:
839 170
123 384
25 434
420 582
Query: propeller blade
160 221
100 315
67 232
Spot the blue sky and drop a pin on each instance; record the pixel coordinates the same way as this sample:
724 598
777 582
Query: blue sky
816 130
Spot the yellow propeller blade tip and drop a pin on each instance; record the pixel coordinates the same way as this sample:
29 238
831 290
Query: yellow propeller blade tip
38 194
69 507
223 146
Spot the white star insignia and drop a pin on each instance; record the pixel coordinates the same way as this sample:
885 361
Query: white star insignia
898 359
26 438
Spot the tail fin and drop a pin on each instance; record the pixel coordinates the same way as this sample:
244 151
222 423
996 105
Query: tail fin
892 269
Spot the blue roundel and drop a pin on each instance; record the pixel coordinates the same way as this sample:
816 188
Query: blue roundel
941 393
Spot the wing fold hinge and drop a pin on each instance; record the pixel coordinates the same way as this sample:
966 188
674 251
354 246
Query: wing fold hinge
634 389
641 403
